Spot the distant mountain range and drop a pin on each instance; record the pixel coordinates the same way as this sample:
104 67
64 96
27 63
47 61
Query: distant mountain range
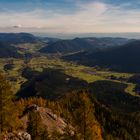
119 54
48 39
123 58
83 44
130 35
8 41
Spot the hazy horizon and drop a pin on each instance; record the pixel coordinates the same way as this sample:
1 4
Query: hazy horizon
74 35
83 35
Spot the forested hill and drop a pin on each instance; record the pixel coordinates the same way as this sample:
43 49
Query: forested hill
16 38
83 44
124 58
7 50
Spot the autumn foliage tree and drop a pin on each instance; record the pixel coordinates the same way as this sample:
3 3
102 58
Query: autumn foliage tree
86 121
80 107
8 115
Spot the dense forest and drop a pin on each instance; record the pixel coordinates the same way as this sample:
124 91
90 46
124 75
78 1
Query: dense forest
123 58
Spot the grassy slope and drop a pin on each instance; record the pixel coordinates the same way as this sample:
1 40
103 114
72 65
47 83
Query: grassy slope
14 75
29 47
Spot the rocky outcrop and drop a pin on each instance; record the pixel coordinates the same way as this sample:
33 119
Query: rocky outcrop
17 136
51 121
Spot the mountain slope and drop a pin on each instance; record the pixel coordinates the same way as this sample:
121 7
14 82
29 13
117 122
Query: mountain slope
17 38
66 46
82 44
7 50
124 58
113 95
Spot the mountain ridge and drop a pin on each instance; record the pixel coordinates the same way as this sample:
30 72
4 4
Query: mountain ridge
83 44
124 58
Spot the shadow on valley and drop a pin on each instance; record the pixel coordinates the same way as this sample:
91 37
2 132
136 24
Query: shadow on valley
50 84
53 84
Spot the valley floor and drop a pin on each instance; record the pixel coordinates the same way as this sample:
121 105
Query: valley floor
89 74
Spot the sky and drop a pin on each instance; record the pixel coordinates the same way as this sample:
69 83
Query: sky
70 16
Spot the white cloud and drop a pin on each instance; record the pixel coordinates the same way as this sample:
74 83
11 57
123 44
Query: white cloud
92 17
